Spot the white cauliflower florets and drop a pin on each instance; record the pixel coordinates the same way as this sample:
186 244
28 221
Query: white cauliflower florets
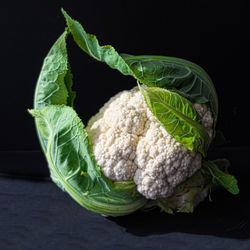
206 117
130 144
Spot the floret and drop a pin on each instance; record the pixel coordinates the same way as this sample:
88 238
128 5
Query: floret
130 144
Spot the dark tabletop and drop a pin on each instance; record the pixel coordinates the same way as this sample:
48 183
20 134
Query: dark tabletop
35 214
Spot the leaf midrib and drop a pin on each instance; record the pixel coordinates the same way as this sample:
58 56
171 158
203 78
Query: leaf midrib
184 118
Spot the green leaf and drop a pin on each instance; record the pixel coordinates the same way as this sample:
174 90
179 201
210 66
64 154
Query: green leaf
55 80
67 149
89 44
69 83
225 180
74 169
178 117
182 76
175 74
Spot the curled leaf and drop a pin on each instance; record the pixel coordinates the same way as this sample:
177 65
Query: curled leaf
74 169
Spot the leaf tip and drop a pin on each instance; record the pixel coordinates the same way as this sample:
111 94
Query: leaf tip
66 15
31 111
34 112
63 12
236 190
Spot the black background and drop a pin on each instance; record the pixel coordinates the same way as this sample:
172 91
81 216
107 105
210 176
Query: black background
213 34
34 213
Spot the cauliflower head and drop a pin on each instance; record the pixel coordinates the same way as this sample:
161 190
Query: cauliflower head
130 144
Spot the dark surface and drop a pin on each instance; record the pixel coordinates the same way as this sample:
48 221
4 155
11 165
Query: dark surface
213 34
35 214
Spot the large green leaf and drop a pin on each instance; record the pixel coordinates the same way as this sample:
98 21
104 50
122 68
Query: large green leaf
89 44
73 166
221 178
182 76
178 116
186 78
55 80
66 144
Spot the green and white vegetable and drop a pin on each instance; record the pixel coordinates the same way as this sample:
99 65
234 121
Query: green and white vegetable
145 147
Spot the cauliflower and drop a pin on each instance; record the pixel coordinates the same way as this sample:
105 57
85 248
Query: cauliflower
130 144
125 146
